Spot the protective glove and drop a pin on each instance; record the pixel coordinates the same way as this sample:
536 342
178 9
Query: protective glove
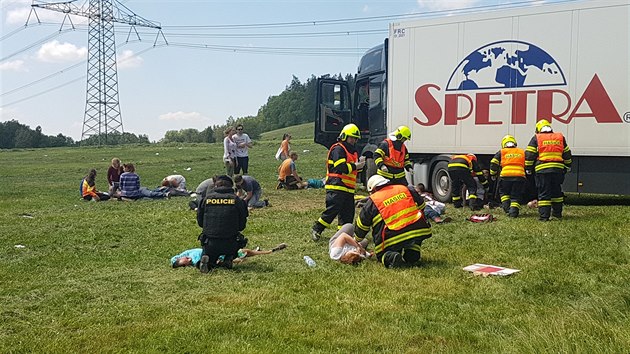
567 169
408 168
360 164
528 172
384 168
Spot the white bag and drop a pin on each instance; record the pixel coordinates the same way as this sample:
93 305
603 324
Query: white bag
279 153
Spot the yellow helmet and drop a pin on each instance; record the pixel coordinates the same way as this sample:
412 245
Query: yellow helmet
508 141
403 132
350 130
541 124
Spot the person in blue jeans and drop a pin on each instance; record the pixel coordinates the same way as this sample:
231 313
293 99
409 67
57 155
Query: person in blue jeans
252 190
130 186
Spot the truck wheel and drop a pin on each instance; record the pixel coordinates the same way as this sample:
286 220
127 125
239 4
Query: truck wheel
441 182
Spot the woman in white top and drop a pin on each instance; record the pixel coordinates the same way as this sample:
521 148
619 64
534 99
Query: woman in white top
344 248
229 151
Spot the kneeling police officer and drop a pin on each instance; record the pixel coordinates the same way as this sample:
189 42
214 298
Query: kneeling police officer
222 215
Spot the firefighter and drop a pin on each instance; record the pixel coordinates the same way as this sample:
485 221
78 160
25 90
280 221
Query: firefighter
223 216
391 156
510 160
341 178
461 169
395 214
549 156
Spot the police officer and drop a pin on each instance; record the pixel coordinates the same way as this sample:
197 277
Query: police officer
222 215
461 169
391 156
395 214
550 157
341 179
510 161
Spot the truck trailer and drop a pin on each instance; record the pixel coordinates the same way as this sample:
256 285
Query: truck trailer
461 83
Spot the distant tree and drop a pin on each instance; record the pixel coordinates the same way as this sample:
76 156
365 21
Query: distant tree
115 139
207 135
24 138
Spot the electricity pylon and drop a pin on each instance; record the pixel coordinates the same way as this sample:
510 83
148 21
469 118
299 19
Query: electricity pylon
102 109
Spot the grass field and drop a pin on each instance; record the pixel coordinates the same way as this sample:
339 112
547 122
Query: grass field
96 277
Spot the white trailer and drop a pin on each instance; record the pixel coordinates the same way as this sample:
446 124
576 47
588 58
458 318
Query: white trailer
463 82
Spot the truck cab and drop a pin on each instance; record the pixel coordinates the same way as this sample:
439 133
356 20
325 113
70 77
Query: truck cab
363 104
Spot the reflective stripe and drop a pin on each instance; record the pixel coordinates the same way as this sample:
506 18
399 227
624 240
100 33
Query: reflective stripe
321 221
396 205
557 200
402 216
338 188
338 162
550 147
347 182
394 158
455 197
544 203
361 226
455 164
512 162
546 165
505 198
515 205
401 238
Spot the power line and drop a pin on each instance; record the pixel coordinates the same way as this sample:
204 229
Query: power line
301 51
359 19
73 80
49 37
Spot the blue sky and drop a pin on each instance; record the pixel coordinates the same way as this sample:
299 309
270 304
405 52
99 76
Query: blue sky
183 85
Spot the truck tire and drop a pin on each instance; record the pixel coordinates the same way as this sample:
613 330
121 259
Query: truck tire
441 182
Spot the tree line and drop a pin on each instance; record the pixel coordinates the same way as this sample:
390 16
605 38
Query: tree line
295 105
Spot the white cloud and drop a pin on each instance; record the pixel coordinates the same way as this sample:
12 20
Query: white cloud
60 52
183 117
366 8
14 65
20 15
445 5
127 59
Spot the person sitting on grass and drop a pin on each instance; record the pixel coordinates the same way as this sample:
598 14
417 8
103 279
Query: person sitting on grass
130 186
287 174
192 257
88 188
113 177
345 249
433 209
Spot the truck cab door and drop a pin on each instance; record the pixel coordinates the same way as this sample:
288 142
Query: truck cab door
334 110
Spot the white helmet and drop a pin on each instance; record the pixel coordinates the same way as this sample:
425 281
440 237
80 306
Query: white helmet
376 181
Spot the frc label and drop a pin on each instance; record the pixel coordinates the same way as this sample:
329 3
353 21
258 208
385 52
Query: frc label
399 32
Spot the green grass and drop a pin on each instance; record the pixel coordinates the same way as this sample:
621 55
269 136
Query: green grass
302 131
95 277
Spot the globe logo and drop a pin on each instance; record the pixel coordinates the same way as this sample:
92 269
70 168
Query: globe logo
506 64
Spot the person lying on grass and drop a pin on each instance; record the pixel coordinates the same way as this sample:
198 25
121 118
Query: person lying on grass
343 247
192 257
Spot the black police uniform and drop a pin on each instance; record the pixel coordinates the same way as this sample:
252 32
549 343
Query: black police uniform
222 215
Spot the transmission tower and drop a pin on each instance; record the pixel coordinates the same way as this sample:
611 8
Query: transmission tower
102 109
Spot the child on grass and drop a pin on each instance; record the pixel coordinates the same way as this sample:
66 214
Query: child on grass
192 257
